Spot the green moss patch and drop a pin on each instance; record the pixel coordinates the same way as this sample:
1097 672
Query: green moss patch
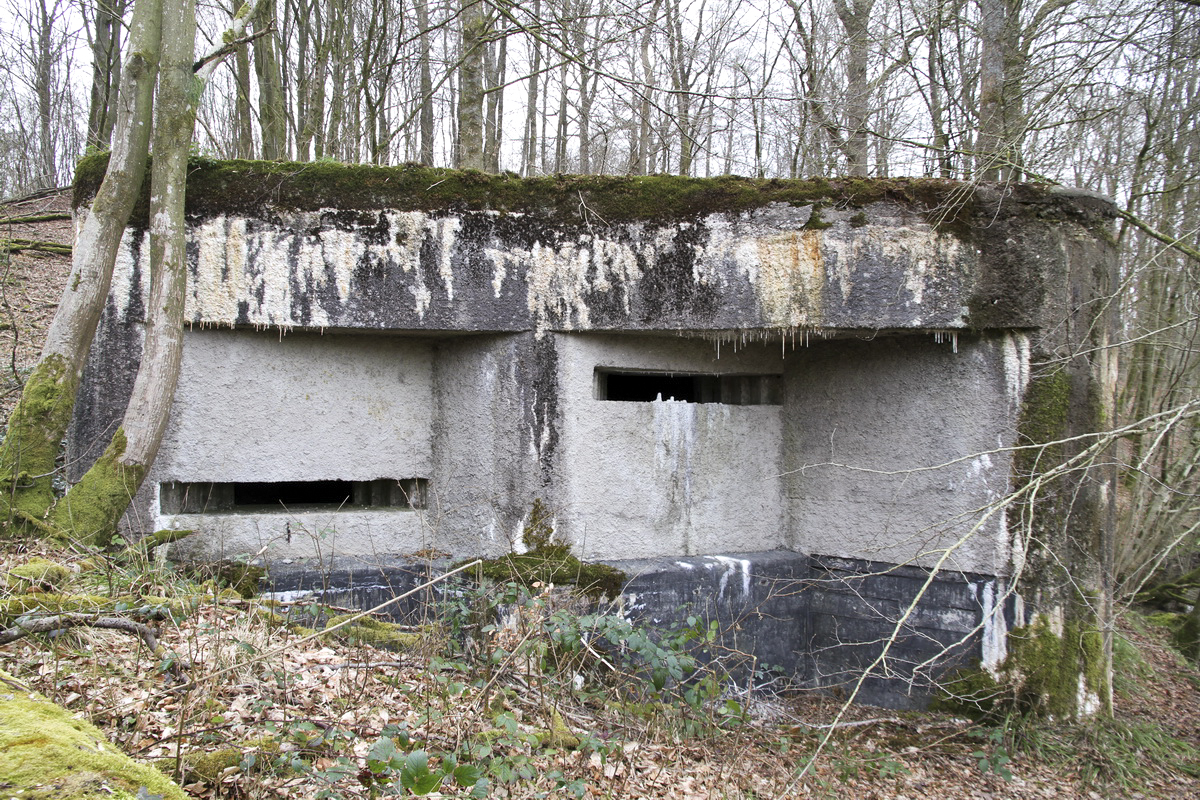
547 561
255 187
1039 677
47 754
93 507
238 576
35 432
211 766
38 574
368 630
555 564
1044 416
142 607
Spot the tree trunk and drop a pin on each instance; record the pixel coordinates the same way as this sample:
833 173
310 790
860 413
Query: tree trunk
470 85
40 420
93 507
271 111
495 107
855 16
106 71
1001 63
43 87
243 114
426 111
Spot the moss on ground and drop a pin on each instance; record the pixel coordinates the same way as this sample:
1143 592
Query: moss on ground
549 562
558 735
47 754
238 576
143 606
210 767
368 630
554 564
92 508
38 574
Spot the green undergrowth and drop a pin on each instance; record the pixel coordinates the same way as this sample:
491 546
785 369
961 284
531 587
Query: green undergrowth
1107 753
368 630
1110 752
547 561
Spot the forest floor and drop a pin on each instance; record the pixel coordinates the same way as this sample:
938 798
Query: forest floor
247 701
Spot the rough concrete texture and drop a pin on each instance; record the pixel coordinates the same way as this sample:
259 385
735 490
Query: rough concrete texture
643 479
306 407
481 271
782 618
897 450
460 344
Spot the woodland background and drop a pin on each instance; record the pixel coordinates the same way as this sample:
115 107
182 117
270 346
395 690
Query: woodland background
1099 94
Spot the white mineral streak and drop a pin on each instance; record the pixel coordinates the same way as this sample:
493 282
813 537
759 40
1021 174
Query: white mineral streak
674 430
406 232
995 629
783 261
1016 370
1010 545
1087 702
445 231
239 264
558 278
920 252
220 271
342 250
732 567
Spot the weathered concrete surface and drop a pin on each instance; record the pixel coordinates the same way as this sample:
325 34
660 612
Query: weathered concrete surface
916 332
667 478
896 450
783 619
778 265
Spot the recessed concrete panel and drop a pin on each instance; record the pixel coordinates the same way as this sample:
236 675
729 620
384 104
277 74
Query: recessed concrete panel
665 477
897 449
260 407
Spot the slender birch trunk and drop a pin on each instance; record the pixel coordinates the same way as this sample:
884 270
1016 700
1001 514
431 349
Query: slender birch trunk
39 422
92 508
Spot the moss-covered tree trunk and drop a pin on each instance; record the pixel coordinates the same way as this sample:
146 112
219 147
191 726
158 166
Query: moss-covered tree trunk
92 508
39 422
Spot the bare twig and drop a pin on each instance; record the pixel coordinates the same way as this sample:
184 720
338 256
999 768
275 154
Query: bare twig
60 622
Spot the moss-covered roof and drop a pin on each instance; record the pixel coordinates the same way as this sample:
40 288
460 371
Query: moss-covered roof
255 188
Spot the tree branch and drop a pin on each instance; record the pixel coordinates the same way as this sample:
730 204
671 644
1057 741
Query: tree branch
75 620
17 245
230 47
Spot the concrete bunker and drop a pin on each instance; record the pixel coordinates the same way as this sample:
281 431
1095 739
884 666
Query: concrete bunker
789 405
